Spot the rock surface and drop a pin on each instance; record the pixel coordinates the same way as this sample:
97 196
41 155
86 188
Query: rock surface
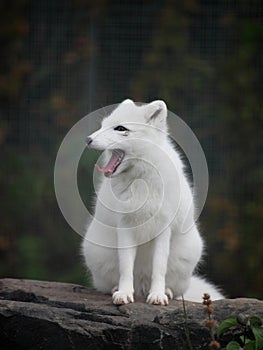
51 315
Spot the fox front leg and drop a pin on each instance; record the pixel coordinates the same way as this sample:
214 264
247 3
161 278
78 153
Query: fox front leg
157 294
126 256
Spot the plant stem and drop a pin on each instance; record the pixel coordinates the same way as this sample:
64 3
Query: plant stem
245 335
187 334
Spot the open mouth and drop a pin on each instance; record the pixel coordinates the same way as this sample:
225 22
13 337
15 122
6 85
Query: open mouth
112 165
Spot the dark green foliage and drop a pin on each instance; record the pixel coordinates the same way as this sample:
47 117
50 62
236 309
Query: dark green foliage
241 331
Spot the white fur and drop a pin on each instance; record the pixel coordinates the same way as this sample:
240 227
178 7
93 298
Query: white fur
143 239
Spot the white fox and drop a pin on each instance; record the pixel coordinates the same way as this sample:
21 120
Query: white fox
143 239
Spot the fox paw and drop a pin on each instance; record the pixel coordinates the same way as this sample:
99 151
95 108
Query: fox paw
157 298
119 297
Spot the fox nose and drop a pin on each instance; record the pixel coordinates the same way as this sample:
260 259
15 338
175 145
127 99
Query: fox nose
88 140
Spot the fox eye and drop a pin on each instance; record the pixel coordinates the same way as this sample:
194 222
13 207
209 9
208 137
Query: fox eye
121 128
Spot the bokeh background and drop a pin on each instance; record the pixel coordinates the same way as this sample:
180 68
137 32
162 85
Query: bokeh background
62 59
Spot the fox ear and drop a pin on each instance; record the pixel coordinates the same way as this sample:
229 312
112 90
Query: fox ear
156 114
127 101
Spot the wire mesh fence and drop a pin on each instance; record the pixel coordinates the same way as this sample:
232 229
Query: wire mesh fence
62 60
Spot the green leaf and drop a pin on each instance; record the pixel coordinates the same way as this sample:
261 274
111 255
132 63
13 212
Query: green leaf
233 345
226 324
254 320
258 334
250 345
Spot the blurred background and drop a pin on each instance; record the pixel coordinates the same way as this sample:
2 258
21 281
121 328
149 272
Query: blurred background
61 60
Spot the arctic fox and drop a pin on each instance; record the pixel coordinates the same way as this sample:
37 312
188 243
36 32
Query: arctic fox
143 239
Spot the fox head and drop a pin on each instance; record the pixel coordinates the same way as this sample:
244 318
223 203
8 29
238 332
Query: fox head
127 131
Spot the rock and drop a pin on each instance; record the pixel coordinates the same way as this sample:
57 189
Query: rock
51 315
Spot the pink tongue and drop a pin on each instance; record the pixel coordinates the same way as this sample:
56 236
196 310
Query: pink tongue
110 167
